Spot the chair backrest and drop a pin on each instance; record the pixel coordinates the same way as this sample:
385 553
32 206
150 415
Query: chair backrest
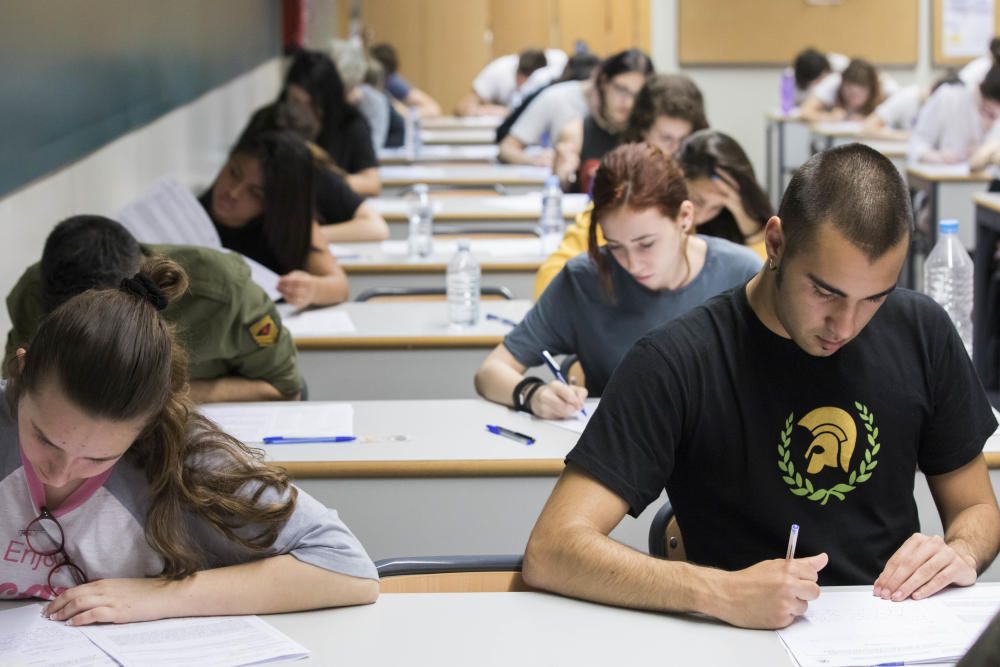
428 294
665 540
452 574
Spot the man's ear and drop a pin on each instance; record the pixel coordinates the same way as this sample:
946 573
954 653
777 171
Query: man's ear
774 242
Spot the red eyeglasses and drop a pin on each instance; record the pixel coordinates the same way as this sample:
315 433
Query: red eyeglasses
46 538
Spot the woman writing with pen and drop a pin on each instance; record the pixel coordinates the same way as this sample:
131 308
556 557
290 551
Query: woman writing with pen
652 269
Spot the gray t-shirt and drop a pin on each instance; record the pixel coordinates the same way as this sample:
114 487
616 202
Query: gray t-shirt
575 315
103 523
553 108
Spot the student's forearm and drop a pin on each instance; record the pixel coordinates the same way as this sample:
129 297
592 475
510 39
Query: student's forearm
233 389
512 151
267 586
495 381
975 533
363 228
331 289
366 182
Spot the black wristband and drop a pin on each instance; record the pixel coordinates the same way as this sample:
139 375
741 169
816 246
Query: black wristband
528 395
522 392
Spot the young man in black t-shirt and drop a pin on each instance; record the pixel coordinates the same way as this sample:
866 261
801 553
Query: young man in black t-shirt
809 396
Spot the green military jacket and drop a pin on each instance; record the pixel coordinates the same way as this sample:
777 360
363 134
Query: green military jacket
227 324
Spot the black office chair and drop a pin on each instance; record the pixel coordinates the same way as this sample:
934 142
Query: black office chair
452 574
665 539
427 294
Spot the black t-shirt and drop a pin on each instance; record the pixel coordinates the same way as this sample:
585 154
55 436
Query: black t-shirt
350 144
750 434
335 200
597 142
396 136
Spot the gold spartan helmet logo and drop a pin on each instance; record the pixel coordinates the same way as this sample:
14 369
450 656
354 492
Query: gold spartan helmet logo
834 437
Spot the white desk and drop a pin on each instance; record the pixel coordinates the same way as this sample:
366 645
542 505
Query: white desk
506 177
458 135
477 153
399 350
510 263
450 488
831 135
787 149
477 212
461 122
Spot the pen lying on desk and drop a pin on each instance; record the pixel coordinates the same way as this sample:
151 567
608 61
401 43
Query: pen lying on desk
282 440
501 320
507 433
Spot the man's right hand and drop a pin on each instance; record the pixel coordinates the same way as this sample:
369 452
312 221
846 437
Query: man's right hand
770 594
557 400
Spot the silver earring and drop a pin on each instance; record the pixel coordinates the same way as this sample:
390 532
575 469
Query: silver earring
770 264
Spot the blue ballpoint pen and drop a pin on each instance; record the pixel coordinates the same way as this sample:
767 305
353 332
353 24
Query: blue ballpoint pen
554 367
501 320
282 440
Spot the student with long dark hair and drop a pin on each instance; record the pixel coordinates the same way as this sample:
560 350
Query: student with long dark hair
262 206
651 269
315 87
582 143
728 200
151 511
853 94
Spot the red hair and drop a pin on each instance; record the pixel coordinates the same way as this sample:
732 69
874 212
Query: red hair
638 177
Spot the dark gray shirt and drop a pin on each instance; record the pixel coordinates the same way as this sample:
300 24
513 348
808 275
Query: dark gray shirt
575 315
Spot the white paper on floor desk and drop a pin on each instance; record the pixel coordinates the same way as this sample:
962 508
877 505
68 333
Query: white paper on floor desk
28 638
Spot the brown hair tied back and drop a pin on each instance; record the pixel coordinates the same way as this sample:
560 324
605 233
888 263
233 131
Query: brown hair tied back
142 286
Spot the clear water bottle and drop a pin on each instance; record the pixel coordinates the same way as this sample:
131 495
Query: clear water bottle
463 286
787 90
948 279
421 240
551 225
414 139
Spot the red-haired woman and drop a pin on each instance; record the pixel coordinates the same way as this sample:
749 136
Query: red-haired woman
652 269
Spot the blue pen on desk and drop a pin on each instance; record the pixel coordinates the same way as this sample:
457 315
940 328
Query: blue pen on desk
507 433
554 367
501 320
282 440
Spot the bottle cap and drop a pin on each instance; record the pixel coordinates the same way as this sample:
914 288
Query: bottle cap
420 188
552 180
948 226
463 244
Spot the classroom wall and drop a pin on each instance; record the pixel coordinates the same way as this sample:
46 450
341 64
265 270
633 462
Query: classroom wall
190 142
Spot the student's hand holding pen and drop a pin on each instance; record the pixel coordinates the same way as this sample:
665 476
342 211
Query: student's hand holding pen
558 400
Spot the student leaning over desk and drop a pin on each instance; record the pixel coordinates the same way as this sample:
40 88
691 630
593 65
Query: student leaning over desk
809 396
651 270
124 504
667 109
262 206
231 330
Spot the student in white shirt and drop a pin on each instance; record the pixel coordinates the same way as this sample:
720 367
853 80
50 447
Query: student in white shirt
811 67
955 121
896 116
494 88
975 71
852 94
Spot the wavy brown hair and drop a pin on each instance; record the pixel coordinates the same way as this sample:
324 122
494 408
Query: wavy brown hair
672 95
637 177
861 73
115 357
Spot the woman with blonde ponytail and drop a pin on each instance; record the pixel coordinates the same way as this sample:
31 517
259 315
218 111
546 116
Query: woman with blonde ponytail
124 504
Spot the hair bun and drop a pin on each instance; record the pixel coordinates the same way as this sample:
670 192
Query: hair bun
142 286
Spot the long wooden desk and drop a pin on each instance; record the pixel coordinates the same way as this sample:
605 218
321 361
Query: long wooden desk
831 135
505 177
510 263
987 237
451 487
461 122
398 350
466 153
476 212
458 135
949 194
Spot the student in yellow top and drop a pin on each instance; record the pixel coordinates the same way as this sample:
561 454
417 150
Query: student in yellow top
667 109
728 201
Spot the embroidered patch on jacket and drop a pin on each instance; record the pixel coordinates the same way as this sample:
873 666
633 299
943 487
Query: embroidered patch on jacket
264 331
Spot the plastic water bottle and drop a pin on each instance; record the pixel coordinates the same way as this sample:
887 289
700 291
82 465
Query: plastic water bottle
414 139
421 238
551 225
463 286
948 279
787 90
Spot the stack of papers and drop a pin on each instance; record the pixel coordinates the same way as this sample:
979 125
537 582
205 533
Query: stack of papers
27 638
251 424
316 323
848 629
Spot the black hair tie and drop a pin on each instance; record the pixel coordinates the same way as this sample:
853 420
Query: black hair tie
142 286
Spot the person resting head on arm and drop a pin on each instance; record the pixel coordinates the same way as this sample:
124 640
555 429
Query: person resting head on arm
652 269
852 95
262 206
231 330
142 508
808 396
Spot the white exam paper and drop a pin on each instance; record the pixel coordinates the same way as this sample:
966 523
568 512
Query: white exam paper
29 639
316 323
251 424
214 641
169 213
